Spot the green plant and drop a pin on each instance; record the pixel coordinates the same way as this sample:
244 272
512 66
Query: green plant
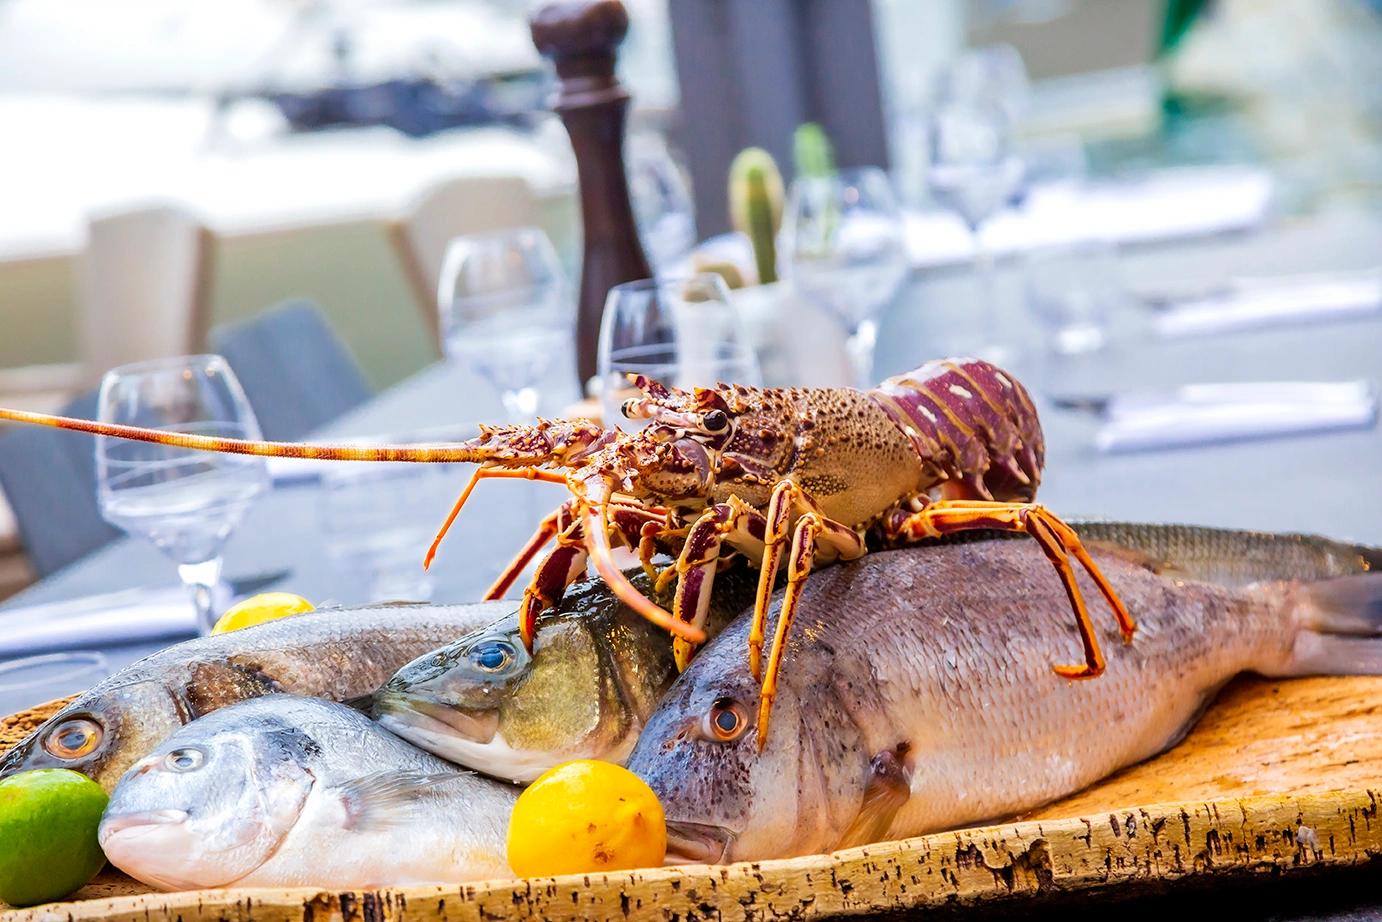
812 151
755 206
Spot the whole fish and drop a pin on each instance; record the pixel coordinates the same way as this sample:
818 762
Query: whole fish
921 696
596 672
598 669
285 791
340 654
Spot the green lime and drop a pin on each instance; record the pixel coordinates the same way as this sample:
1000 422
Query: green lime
48 847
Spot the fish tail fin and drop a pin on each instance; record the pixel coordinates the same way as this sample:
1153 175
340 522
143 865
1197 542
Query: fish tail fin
1340 627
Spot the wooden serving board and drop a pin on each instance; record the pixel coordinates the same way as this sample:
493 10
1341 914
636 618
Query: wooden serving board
1274 779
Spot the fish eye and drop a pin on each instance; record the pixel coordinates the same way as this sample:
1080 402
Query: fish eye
715 421
188 759
74 738
492 655
725 721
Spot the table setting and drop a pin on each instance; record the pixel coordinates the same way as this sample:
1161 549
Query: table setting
1003 553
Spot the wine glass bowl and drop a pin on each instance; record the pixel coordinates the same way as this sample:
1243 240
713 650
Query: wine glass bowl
680 332
185 502
506 311
844 248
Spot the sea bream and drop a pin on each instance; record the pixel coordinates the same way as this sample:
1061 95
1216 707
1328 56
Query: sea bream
341 654
286 791
598 669
919 695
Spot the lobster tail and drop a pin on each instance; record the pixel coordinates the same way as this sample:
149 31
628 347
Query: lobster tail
974 421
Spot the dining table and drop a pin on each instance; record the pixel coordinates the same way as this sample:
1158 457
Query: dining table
1323 483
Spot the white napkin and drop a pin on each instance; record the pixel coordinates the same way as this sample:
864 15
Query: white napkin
126 617
1163 205
1210 413
1268 303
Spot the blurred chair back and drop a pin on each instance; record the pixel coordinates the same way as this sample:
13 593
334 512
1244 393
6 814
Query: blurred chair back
296 371
450 208
49 478
143 279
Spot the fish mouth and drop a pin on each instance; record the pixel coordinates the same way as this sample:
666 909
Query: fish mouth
428 713
112 825
697 843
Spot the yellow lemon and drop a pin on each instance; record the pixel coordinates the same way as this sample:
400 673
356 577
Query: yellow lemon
48 847
267 606
586 816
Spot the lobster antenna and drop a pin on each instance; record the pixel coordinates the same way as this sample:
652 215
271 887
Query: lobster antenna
415 453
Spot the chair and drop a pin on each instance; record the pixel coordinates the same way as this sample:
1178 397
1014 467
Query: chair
296 372
450 208
143 280
49 478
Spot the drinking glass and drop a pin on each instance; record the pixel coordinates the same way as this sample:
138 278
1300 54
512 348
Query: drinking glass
506 311
661 202
34 680
186 502
843 247
974 172
681 332
1072 290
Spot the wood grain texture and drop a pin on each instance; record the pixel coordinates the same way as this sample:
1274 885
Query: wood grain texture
1279 776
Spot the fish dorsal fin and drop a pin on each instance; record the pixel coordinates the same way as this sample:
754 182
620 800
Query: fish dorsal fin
382 799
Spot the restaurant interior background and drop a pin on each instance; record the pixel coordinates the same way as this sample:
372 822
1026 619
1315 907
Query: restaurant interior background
170 167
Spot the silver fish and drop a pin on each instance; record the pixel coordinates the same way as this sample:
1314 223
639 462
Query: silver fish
919 696
598 669
285 791
341 654
596 672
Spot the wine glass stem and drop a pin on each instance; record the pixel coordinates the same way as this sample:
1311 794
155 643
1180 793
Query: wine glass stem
986 278
861 345
203 579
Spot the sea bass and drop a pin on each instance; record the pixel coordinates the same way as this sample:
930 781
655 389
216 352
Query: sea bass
598 669
920 695
340 654
285 791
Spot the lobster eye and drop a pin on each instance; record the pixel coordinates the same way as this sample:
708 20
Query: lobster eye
492 655
725 721
74 738
715 421
188 759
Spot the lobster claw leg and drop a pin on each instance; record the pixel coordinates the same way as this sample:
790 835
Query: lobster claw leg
734 522
1057 539
811 529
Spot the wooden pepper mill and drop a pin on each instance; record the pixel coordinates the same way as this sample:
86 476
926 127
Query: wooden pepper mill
580 36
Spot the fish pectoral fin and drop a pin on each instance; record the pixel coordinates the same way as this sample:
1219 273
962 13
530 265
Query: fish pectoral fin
888 788
383 799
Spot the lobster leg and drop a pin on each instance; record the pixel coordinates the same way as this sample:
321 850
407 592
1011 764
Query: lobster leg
733 521
811 529
485 473
787 498
1057 539
566 562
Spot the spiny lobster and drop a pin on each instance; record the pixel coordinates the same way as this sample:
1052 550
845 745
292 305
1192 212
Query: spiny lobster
952 446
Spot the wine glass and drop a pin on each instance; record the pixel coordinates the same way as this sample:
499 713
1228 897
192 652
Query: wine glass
681 332
661 201
506 311
186 502
843 247
974 172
